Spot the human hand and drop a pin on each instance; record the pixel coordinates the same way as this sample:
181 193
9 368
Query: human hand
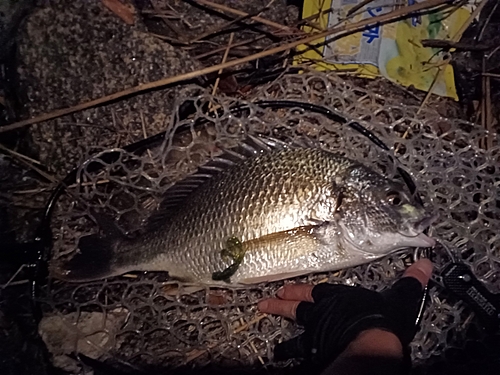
335 316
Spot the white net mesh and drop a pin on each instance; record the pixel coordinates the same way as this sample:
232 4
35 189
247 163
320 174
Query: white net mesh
147 319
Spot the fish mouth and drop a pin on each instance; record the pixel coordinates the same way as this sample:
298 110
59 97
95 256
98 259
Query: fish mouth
401 242
423 240
424 223
413 236
420 239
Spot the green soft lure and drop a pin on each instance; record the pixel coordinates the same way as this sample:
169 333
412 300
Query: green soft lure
234 251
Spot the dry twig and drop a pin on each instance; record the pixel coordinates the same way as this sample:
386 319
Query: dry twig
487 113
492 75
456 38
226 53
340 31
448 44
11 281
16 154
239 44
240 13
224 26
170 25
245 326
169 39
29 163
357 7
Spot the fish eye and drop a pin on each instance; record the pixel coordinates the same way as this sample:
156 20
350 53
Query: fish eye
394 198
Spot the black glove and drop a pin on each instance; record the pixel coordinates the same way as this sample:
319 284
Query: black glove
340 313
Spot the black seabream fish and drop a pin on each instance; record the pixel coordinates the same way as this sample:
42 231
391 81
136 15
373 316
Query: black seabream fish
277 212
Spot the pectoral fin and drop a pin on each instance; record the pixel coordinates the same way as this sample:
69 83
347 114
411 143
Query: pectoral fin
300 242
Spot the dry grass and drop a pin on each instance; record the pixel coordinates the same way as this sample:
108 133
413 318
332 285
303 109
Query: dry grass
337 32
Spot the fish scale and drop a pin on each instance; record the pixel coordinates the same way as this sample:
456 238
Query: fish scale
287 212
259 180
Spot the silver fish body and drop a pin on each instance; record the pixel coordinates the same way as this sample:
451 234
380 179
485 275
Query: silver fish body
292 211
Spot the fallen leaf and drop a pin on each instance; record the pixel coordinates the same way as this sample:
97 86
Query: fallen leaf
228 85
125 11
216 298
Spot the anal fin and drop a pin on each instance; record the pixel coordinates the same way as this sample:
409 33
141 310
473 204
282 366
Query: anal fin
276 277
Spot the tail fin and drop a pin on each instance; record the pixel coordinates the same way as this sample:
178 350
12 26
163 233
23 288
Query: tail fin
96 260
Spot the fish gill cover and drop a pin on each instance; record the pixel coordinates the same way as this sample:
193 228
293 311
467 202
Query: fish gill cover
145 320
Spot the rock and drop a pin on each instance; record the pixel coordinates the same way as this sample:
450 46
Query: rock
70 52
11 14
88 333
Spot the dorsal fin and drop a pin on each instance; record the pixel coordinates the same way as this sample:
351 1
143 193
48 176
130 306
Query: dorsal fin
174 196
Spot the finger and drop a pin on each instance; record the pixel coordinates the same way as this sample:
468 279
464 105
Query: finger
325 290
293 348
279 307
304 312
406 292
420 270
403 301
296 292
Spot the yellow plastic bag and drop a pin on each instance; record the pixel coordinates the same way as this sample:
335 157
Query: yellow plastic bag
391 50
